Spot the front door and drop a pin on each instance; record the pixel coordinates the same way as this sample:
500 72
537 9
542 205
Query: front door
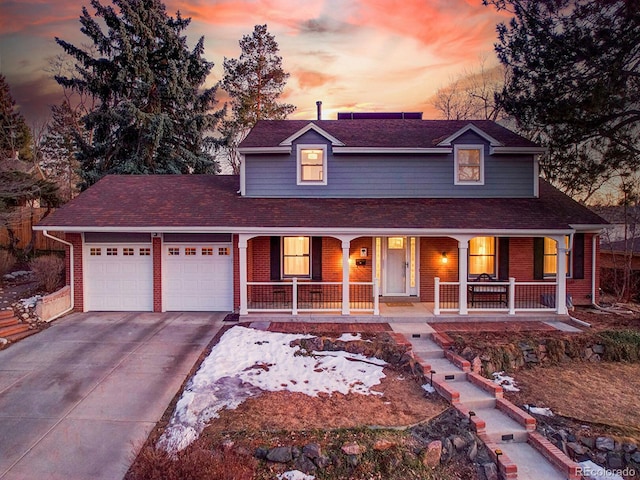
396 266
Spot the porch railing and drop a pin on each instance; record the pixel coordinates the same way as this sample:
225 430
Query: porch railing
511 296
297 296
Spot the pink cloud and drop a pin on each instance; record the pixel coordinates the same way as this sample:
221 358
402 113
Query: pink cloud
312 79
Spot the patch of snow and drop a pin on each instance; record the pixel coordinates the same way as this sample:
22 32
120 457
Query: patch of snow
506 382
31 301
427 387
349 337
295 475
246 361
539 410
593 471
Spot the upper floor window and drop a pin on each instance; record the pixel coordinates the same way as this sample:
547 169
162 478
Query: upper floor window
312 164
469 164
482 256
551 257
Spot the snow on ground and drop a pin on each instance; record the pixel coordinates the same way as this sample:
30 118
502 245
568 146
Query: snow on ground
246 361
295 475
349 337
593 471
31 301
427 387
539 410
506 382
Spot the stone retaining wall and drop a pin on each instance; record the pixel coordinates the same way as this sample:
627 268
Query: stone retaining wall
54 304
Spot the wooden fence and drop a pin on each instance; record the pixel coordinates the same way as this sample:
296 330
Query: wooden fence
27 217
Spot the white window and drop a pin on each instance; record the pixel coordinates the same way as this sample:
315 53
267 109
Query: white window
128 252
469 164
190 251
96 251
112 252
482 256
145 252
207 251
224 251
296 257
312 164
174 252
551 257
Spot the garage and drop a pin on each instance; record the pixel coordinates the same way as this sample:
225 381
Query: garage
197 276
118 274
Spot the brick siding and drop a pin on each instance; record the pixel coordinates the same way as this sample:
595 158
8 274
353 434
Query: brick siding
157 273
78 290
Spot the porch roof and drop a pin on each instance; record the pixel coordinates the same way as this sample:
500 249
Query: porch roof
211 202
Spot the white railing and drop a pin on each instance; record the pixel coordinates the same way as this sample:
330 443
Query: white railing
510 297
297 296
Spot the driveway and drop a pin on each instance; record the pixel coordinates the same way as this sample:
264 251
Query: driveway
78 400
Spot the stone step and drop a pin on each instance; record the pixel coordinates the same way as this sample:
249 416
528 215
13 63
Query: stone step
6 314
19 336
424 347
7 322
474 398
13 329
531 464
445 370
500 428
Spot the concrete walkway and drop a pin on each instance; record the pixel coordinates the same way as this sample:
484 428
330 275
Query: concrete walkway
79 399
499 431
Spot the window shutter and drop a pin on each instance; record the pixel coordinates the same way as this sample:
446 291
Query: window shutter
275 258
578 256
503 258
316 259
538 258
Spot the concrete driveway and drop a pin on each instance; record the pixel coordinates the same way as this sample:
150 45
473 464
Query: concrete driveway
78 399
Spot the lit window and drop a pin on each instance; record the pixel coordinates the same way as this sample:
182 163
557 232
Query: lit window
207 251
224 251
112 252
174 251
469 164
295 256
395 243
312 164
145 252
482 256
95 252
190 251
551 256
128 252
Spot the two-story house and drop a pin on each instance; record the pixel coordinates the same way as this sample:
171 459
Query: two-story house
333 216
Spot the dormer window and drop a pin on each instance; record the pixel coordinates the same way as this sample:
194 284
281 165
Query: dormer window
469 165
312 164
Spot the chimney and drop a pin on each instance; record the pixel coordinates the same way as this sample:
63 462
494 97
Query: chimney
319 109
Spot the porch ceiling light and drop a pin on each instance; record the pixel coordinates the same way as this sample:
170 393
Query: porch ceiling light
444 258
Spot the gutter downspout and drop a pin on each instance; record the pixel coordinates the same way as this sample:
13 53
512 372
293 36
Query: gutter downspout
71 278
593 268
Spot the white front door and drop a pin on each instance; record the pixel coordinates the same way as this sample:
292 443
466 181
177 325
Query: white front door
396 266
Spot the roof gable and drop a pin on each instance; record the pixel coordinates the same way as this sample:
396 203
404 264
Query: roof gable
470 127
311 126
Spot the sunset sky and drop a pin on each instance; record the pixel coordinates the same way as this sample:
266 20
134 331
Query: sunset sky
354 55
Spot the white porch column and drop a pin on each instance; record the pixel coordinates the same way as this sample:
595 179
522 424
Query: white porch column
242 251
561 277
463 274
345 276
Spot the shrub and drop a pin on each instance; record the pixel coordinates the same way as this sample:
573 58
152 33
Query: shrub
47 271
7 261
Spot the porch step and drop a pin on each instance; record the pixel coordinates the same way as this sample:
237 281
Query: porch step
475 398
445 370
4 314
532 465
501 428
19 336
8 321
426 348
7 331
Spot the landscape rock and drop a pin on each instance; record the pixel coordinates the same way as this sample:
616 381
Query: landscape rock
472 453
588 442
577 450
322 461
459 442
352 460
598 348
353 448
312 450
615 460
629 447
432 454
636 457
280 455
261 453
305 464
605 444
490 471
383 445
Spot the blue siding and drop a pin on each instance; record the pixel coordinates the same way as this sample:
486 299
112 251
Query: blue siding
390 176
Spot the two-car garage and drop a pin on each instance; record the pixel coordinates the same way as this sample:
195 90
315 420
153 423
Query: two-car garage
196 272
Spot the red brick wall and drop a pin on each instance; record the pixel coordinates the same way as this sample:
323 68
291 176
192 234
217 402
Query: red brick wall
521 259
259 259
431 265
157 273
78 291
331 259
362 273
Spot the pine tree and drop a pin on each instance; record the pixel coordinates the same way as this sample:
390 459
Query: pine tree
254 81
152 114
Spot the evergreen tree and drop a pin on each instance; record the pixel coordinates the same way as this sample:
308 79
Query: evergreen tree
151 114
254 81
573 85
15 135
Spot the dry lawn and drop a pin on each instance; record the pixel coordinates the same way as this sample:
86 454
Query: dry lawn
603 393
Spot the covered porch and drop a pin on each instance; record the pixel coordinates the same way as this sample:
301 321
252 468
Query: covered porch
405 274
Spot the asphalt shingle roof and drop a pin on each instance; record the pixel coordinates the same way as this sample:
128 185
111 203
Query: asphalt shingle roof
177 201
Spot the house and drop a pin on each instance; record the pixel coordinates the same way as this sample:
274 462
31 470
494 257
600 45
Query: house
333 216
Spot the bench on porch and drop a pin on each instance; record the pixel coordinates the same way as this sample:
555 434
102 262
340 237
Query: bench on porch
487 293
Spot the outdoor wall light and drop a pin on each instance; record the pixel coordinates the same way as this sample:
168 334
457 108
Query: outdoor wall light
444 258
363 252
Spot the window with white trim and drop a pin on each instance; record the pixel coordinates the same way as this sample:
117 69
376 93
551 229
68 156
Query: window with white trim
468 164
312 164
482 256
551 257
296 257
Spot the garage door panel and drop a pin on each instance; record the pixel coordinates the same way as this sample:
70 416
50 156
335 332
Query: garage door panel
197 282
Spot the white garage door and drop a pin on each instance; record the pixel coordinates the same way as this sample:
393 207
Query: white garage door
118 277
197 277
